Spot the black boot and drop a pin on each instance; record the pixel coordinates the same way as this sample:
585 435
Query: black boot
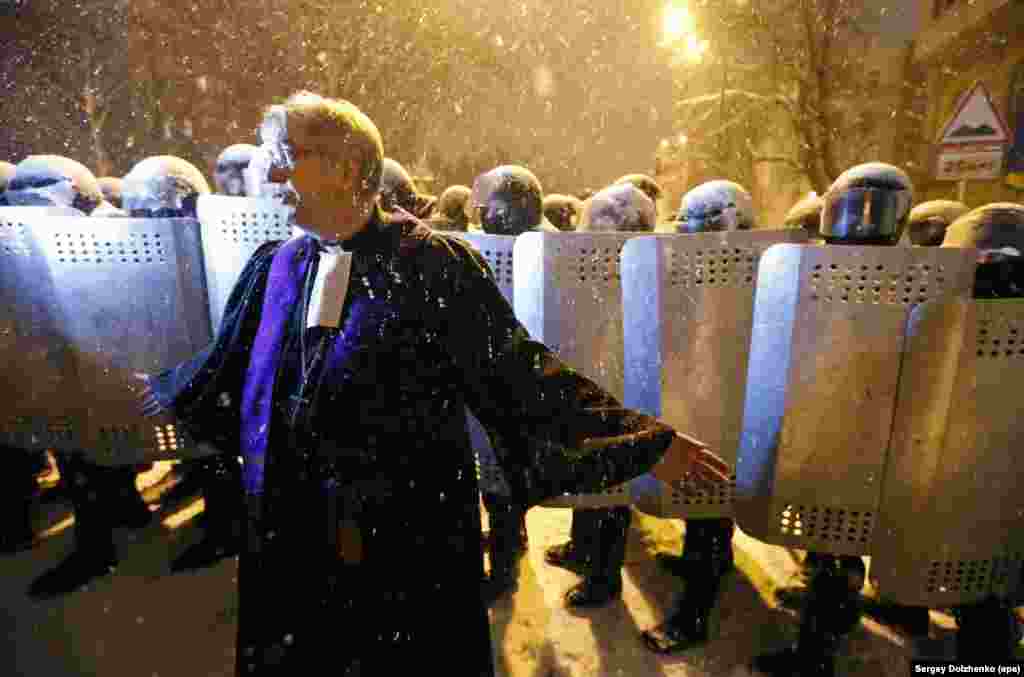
126 506
986 632
222 491
508 544
707 558
574 555
94 553
18 488
832 611
606 551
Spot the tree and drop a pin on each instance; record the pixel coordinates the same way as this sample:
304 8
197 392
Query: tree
794 82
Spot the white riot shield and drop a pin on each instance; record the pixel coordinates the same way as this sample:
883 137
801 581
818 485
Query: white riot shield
952 511
44 406
827 340
130 298
568 295
233 228
688 307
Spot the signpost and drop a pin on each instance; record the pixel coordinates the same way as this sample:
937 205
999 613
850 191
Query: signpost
973 142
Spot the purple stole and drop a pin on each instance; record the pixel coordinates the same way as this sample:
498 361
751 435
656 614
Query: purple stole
284 284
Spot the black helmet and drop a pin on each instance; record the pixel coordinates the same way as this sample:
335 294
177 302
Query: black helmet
716 206
163 186
111 187
6 172
229 174
53 181
806 214
450 210
928 221
997 232
397 188
622 208
510 201
563 211
867 204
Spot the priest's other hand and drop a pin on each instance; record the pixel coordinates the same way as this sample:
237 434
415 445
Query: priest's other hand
690 459
146 401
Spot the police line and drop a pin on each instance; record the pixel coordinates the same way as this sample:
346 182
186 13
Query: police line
828 375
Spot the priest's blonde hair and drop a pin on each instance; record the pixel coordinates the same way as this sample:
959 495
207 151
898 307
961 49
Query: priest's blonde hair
337 128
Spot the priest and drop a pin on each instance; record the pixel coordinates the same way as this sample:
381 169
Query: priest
341 373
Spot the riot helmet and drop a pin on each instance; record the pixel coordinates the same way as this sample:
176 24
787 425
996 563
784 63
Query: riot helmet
397 188
645 183
112 188
509 200
806 214
622 208
867 204
229 173
6 172
53 181
450 212
563 211
163 186
997 232
716 206
928 221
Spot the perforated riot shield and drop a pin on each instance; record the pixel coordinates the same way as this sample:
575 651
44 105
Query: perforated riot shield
130 298
233 228
568 295
688 306
44 407
826 345
952 511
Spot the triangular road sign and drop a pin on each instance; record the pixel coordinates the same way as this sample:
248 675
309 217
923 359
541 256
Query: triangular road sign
976 120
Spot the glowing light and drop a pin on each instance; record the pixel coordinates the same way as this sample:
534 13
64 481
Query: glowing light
679 31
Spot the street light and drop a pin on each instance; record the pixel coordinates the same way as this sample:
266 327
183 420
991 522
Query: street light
679 32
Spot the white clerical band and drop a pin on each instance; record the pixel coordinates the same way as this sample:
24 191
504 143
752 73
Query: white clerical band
330 288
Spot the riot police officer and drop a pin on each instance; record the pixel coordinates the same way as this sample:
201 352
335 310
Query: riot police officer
229 172
563 211
988 630
451 209
6 172
169 187
806 214
397 188
509 201
597 545
619 208
102 497
649 186
707 543
867 205
929 220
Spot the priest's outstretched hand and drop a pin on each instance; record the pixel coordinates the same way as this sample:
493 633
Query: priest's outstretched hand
147 402
687 458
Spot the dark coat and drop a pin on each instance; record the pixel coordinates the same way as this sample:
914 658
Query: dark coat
382 450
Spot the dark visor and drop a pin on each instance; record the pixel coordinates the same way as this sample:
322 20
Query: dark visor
865 214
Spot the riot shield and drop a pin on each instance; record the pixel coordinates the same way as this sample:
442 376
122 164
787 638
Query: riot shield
44 406
568 295
826 344
233 228
688 306
130 298
952 511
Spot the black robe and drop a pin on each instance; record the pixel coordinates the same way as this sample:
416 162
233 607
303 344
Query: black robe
377 443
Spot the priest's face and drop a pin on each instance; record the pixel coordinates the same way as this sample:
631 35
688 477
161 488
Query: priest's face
328 202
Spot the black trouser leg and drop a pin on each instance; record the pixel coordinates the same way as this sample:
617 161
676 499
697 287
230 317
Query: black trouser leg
17 489
986 631
87 486
832 611
607 550
508 527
